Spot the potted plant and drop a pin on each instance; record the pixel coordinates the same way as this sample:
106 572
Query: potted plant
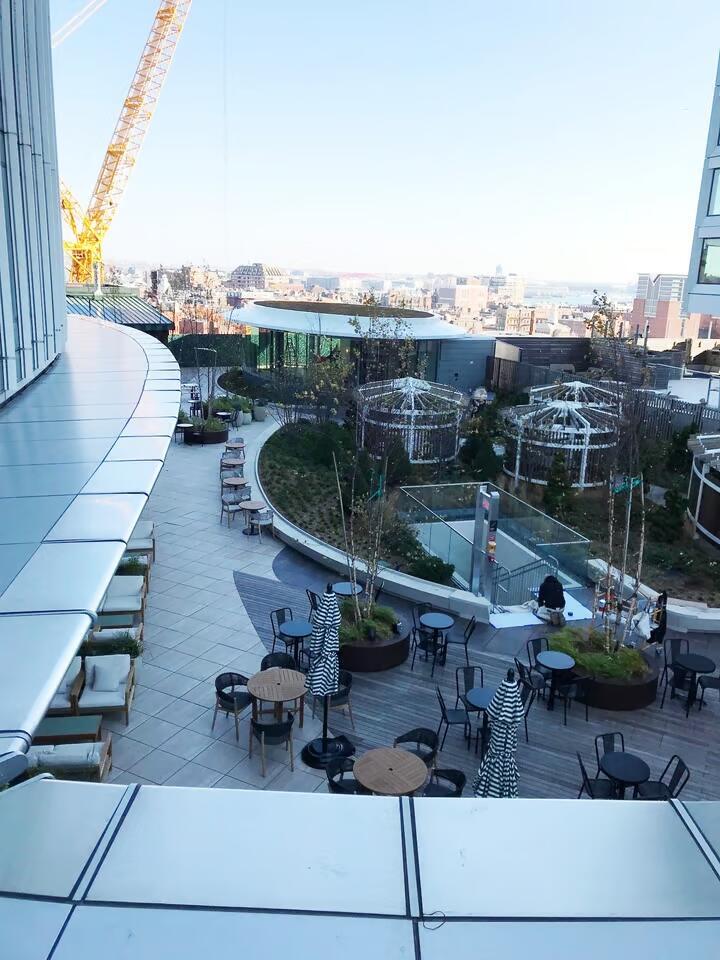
259 410
116 640
207 431
246 411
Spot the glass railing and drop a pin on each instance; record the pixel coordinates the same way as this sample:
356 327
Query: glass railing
438 536
524 532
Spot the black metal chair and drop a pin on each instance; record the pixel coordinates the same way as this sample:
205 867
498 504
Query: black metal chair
707 683
429 643
452 718
337 781
534 646
231 696
271 734
277 618
663 789
533 678
421 741
445 783
463 639
527 697
341 699
610 743
672 648
572 690
284 660
470 677
597 789
314 601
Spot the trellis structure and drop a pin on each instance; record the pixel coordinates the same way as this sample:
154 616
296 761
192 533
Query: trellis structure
585 435
423 416
575 391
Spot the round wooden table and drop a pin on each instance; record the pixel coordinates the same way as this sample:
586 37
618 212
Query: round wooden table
390 771
234 462
233 445
277 685
250 507
234 482
344 588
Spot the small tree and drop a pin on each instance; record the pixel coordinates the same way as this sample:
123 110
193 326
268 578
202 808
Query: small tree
558 492
478 454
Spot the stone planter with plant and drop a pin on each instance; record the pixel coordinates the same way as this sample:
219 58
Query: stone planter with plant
260 410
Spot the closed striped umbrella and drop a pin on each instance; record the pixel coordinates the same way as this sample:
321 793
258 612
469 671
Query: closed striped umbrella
498 773
323 678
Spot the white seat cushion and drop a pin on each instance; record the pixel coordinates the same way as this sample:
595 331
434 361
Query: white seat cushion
61 701
98 700
117 662
144 530
106 679
66 755
139 545
125 587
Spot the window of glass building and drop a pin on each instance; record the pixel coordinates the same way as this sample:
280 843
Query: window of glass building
714 206
710 261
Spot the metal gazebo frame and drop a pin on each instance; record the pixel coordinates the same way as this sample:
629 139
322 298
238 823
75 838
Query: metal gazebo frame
424 416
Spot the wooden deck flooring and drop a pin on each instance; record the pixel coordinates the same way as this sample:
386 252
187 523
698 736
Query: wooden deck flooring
390 703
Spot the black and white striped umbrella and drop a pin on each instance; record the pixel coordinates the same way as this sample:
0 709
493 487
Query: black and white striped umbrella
498 773
323 678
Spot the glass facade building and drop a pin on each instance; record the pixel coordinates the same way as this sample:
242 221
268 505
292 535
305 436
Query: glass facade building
32 289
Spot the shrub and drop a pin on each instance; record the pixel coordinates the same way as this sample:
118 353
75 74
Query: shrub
432 568
131 566
588 652
399 538
124 642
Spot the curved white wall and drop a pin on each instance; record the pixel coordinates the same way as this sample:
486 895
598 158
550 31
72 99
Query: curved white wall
32 288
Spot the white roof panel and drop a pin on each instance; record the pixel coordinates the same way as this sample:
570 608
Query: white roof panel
706 815
41 452
29 928
124 476
628 860
152 934
139 448
150 427
28 519
35 652
659 940
63 576
192 846
348 326
61 430
48 481
50 829
109 516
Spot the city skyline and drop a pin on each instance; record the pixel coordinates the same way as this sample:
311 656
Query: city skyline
377 144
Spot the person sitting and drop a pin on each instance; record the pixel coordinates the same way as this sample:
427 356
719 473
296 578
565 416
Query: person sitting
551 601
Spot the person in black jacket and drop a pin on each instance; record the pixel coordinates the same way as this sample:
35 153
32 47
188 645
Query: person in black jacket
551 594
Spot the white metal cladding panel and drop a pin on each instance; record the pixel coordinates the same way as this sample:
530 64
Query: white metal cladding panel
106 516
63 576
626 860
151 934
124 476
61 430
32 315
50 829
29 928
35 652
707 816
590 941
150 427
139 448
28 519
204 847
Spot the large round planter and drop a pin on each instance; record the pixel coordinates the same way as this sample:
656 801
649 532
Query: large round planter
624 694
259 413
207 436
371 656
247 418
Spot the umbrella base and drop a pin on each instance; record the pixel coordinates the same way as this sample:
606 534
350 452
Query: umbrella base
319 752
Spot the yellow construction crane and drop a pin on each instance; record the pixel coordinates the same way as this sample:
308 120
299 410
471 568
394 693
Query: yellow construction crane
88 228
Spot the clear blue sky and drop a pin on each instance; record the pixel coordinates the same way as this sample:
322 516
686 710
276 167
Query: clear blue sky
562 139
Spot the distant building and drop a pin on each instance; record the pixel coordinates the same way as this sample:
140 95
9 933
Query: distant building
466 300
703 288
506 288
657 307
331 284
257 276
512 319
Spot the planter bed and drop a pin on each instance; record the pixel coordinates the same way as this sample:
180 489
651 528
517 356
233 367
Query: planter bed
606 694
372 656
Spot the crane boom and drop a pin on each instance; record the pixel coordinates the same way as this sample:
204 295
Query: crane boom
122 152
